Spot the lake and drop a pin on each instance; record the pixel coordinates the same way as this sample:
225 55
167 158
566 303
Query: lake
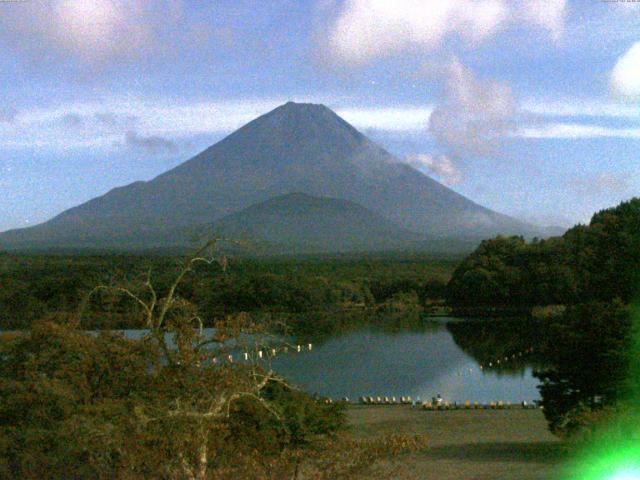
419 362
423 363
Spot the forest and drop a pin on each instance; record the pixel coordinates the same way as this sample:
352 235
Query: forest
302 290
590 343
60 385
594 262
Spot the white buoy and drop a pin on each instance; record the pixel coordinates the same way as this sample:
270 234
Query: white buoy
246 356
309 347
260 353
231 358
273 352
299 348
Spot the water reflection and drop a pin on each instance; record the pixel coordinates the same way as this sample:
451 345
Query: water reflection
508 346
440 358
417 359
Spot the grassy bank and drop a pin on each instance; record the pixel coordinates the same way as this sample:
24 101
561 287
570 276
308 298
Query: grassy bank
474 444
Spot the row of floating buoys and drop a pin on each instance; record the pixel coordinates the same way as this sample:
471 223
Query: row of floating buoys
387 400
271 352
498 405
499 361
329 400
507 358
444 405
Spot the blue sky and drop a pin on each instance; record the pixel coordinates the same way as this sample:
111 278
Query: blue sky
531 108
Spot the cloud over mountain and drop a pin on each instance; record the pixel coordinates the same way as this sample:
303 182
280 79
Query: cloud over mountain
625 77
474 116
440 165
369 29
150 143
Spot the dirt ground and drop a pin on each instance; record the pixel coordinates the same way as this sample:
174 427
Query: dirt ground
468 445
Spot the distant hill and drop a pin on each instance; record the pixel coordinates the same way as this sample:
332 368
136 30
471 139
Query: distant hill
304 223
295 148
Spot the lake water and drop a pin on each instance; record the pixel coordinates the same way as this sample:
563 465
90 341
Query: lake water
424 363
374 363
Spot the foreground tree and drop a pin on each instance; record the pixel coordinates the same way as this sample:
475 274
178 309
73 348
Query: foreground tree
168 404
175 404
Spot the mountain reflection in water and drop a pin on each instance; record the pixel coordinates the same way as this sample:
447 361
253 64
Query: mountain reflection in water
444 358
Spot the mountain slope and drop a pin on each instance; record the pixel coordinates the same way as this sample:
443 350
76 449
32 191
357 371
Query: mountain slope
304 223
294 148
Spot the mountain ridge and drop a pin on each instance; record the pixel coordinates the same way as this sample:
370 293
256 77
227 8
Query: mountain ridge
294 148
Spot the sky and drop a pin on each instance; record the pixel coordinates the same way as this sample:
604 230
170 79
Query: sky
531 108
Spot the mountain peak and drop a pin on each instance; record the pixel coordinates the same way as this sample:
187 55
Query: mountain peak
304 111
297 147
292 104
301 124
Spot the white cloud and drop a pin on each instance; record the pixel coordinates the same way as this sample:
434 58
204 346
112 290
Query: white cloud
103 125
625 77
581 108
151 143
602 183
548 14
95 31
474 116
368 29
441 166
396 119
101 33
576 131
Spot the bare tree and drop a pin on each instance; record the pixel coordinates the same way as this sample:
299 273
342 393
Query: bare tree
206 380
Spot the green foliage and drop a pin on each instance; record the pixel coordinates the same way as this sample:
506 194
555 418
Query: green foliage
594 270
607 253
62 393
588 357
598 262
300 290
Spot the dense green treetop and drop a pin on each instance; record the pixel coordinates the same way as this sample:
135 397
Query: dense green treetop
599 261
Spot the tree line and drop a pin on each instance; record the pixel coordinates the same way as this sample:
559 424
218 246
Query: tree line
301 290
594 262
589 351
